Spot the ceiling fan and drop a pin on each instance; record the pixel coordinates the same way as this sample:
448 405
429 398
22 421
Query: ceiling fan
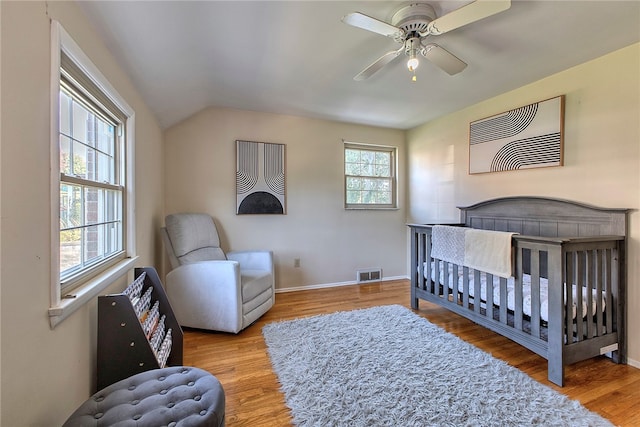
413 24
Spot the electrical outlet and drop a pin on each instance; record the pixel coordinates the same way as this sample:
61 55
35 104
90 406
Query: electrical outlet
296 262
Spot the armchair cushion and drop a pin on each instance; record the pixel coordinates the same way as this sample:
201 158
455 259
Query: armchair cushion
255 282
253 260
194 237
202 254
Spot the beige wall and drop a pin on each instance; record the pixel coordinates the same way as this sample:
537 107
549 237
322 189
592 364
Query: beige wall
46 374
332 243
601 162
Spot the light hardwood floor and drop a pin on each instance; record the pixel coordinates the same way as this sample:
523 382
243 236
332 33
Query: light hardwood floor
253 398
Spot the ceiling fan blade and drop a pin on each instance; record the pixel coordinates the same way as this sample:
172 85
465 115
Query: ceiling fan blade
357 19
444 59
472 12
378 64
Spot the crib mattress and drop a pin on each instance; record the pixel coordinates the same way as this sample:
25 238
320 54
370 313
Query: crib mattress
526 292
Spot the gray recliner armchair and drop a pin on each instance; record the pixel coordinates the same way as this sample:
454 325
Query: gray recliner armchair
209 289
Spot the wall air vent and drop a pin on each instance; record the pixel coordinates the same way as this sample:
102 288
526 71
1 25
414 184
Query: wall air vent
370 275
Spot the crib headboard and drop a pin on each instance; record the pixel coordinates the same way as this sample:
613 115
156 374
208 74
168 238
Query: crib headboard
547 217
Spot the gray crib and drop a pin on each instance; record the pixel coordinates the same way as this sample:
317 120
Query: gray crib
566 301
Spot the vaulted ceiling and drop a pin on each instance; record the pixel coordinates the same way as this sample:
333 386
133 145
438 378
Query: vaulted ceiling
298 58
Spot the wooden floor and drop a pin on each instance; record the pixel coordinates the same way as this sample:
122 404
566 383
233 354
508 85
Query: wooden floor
253 398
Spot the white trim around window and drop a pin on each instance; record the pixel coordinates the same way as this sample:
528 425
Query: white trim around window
370 176
62 306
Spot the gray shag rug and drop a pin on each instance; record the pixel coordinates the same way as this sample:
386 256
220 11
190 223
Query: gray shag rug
387 366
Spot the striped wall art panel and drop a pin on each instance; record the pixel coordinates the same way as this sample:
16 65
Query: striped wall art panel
260 179
526 137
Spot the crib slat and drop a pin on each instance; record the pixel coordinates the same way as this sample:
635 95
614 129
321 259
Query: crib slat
517 292
599 266
424 256
489 296
438 274
589 270
617 295
446 288
416 275
578 285
455 279
445 276
607 283
455 283
465 287
568 296
445 280
436 277
476 291
535 293
503 301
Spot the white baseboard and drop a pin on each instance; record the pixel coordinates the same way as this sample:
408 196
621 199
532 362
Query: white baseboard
334 285
633 363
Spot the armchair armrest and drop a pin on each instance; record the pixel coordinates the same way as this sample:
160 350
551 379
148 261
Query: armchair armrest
253 260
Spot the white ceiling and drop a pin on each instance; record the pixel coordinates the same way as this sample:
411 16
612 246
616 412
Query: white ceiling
298 58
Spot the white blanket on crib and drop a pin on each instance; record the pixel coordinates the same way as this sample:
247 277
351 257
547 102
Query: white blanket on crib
489 251
483 250
448 243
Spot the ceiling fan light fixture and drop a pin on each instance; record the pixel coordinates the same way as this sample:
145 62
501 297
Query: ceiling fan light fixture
411 46
413 63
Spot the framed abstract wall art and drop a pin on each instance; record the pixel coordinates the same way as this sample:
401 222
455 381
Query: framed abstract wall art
526 137
260 178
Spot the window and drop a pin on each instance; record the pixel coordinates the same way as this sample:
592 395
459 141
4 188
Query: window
370 176
92 223
91 183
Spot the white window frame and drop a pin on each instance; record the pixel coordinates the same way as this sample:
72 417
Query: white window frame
394 175
61 306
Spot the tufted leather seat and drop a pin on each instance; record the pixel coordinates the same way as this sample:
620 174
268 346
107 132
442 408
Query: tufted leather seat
178 396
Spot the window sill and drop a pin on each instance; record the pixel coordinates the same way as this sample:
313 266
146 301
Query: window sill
372 208
88 291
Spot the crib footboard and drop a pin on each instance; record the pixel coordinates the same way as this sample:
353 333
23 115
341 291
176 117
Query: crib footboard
565 301
586 288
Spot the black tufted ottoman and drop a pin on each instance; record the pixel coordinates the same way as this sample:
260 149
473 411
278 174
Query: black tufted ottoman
177 396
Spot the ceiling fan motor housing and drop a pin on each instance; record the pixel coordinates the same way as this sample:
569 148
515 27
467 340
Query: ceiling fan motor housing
414 18
412 45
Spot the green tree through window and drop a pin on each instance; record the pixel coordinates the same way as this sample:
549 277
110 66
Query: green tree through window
370 176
